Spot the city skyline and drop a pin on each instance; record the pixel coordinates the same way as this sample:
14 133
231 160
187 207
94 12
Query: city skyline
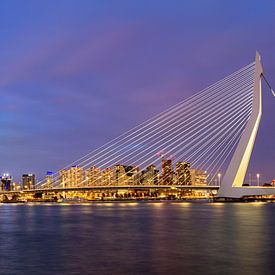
166 172
170 173
62 90
137 137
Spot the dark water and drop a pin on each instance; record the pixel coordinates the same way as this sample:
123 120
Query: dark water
137 238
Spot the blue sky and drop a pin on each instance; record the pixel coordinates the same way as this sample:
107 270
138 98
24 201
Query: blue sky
70 69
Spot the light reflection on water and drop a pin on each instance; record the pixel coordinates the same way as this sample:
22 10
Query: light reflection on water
137 238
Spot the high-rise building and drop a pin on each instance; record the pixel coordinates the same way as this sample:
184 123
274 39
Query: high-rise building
28 181
198 177
129 170
167 172
63 178
93 176
5 182
136 176
49 180
150 175
183 176
107 176
76 177
120 176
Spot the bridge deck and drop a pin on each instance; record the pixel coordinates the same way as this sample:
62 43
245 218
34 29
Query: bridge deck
111 187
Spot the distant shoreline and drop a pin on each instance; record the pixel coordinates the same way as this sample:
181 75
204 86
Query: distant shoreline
79 202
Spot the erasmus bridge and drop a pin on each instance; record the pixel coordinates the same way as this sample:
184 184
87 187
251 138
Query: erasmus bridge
214 130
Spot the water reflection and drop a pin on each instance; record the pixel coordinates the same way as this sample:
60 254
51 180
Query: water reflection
135 238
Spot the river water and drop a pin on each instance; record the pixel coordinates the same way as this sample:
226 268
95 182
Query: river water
138 238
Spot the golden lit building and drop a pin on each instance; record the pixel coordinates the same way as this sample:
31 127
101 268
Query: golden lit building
107 176
63 178
198 177
49 180
15 186
167 172
183 175
76 177
93 176
120 177
28 181
150 175
135 178
131 174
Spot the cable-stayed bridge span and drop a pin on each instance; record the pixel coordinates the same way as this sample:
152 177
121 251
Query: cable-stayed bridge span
210 134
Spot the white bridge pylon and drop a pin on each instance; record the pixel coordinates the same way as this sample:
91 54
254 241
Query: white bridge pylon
232 182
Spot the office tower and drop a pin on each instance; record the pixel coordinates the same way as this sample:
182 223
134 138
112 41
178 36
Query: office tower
183 176
129 170
49 180
136 176
150 175
63 178
28 181
76 177
5 182
107 176
120 177
93 176
198 177
167 172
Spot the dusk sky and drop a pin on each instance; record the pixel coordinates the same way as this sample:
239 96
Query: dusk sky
75 74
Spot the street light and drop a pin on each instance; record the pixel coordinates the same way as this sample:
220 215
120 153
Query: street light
219 177
258 179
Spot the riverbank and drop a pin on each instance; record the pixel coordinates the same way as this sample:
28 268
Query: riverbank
138 200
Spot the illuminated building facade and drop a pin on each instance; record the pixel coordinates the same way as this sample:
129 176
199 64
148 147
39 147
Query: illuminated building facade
28 181
93 176
167 172
6 182
63 178
150 175
49 180
198 177
129 171
107 176
183 175
120 176
76 177
136 176
15 186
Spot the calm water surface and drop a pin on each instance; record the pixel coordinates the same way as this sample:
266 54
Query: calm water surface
138 238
